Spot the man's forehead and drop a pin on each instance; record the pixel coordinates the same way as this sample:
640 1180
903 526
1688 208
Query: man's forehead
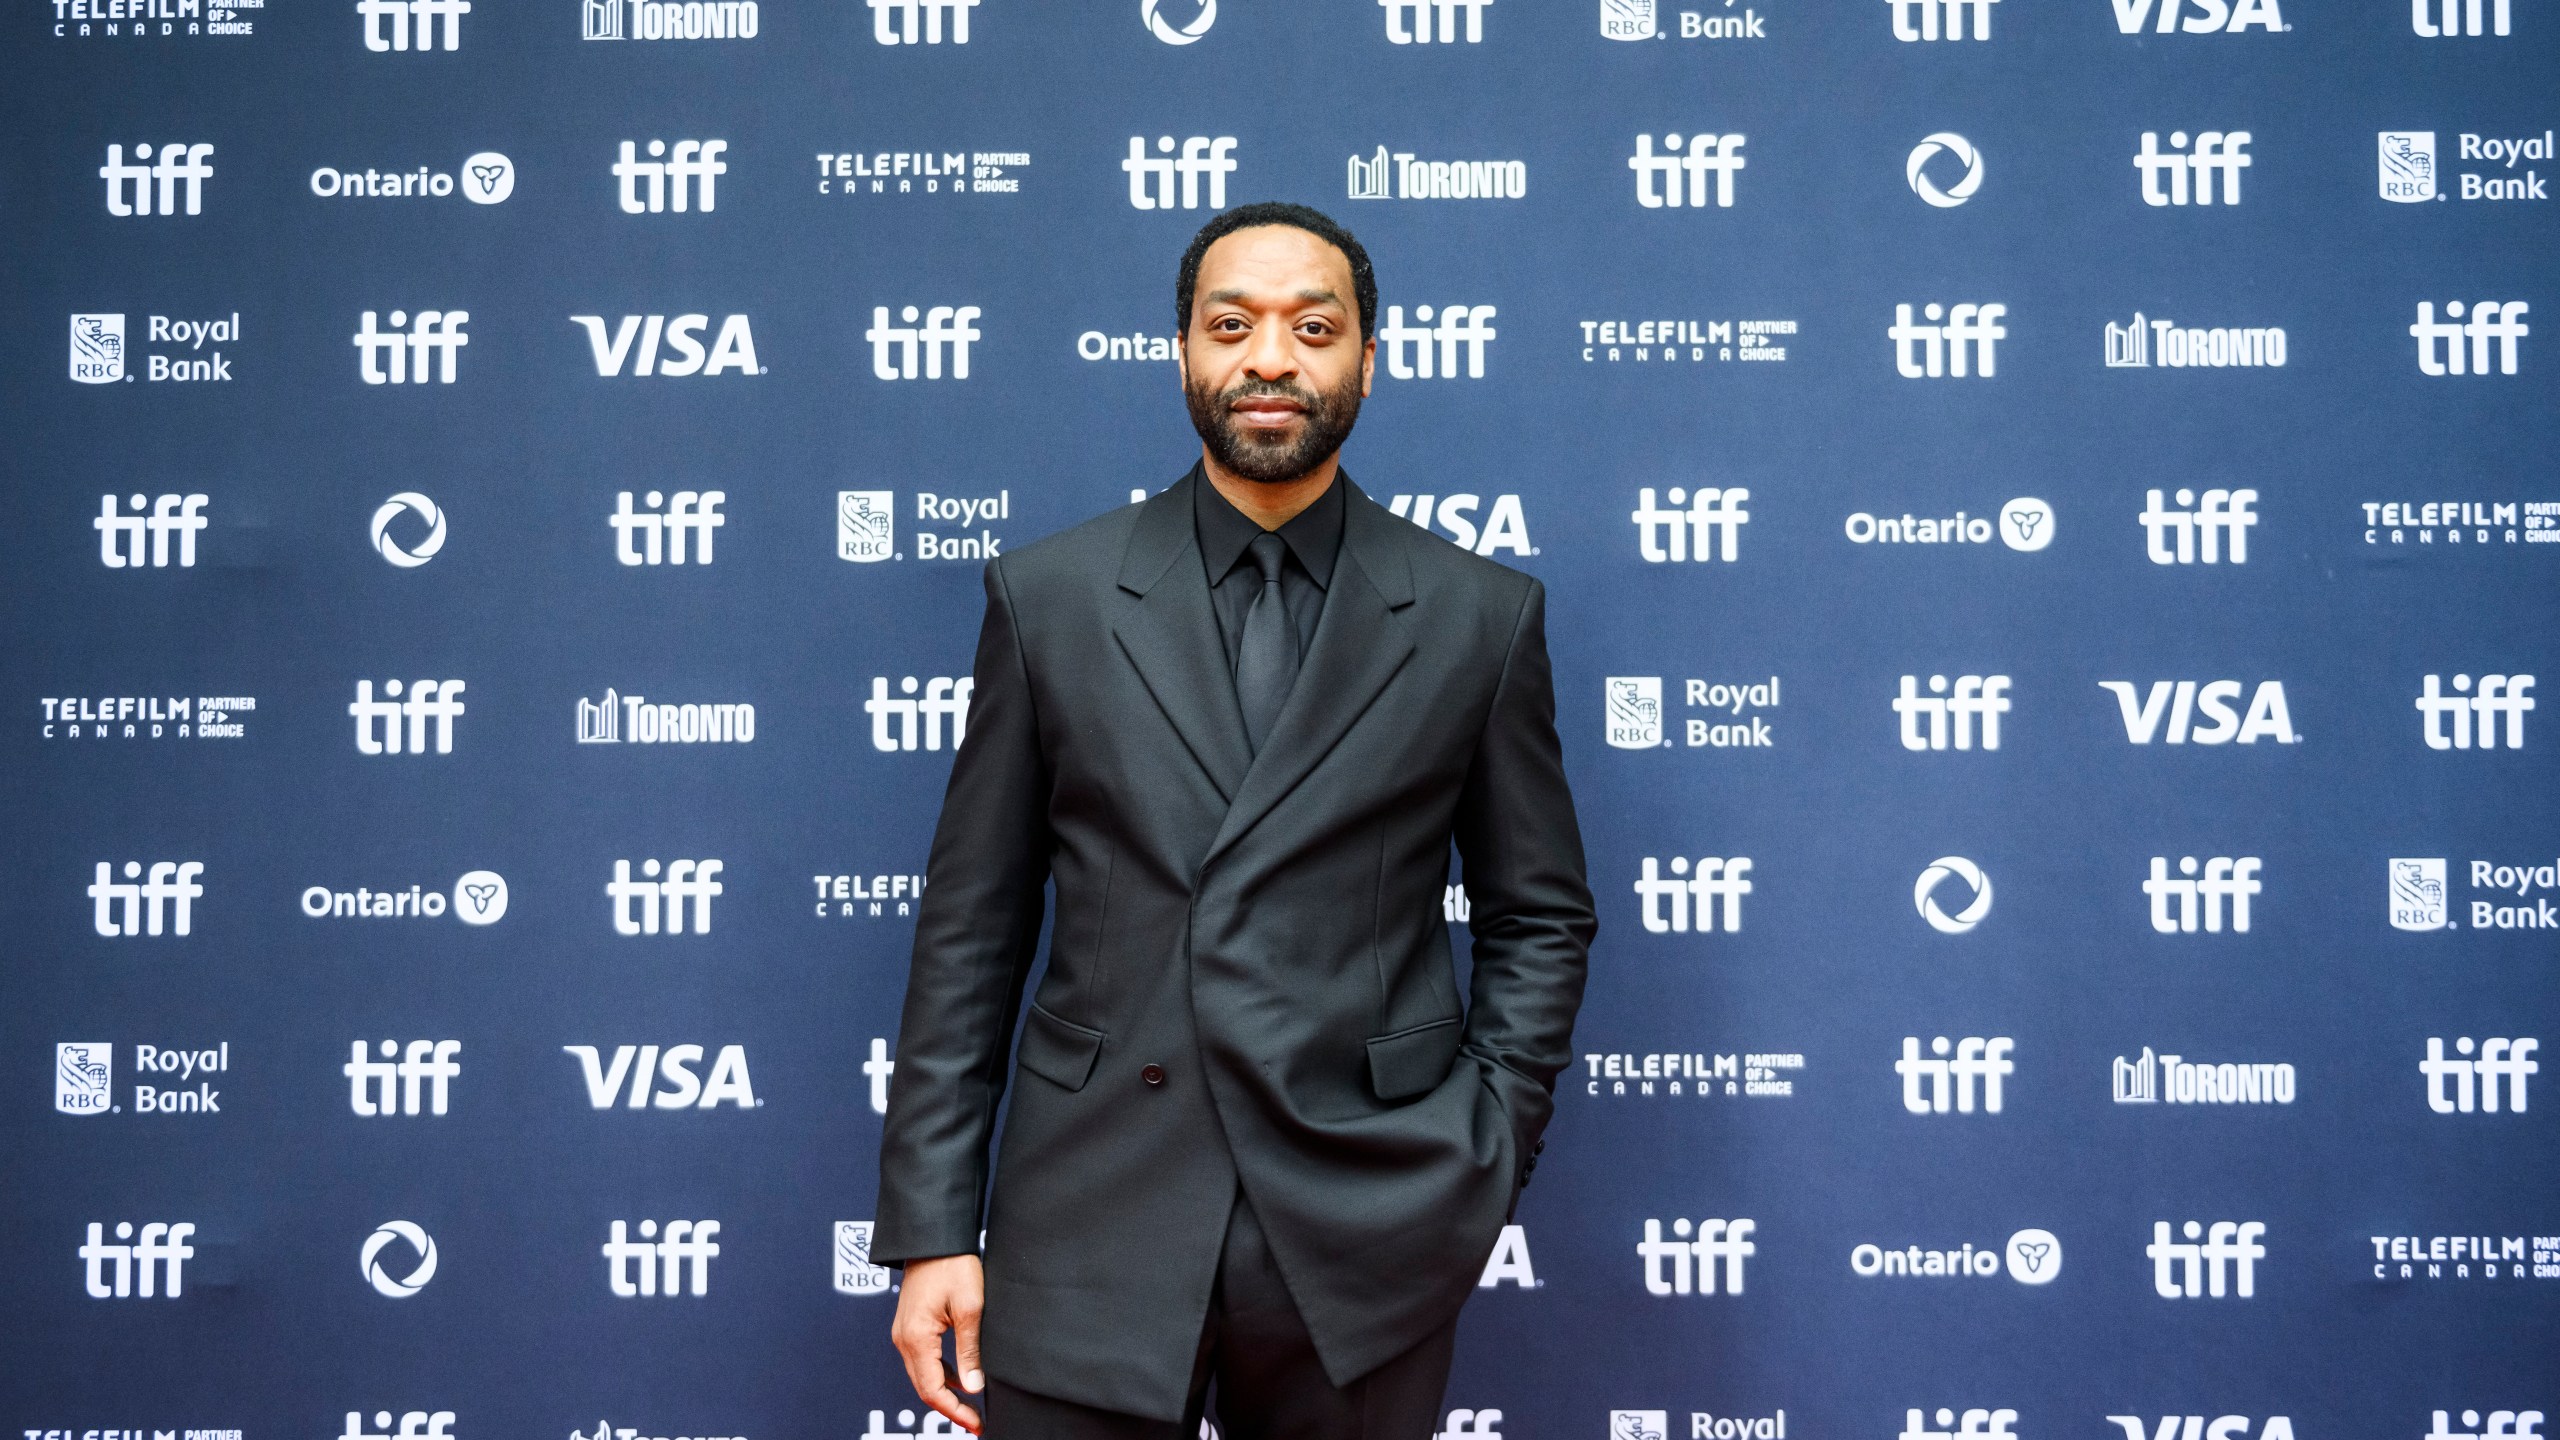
1274 262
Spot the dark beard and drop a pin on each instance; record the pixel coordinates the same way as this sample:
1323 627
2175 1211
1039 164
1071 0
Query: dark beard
1328 421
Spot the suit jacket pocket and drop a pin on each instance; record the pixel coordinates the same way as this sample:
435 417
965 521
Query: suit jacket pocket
1413 1061
1059 1051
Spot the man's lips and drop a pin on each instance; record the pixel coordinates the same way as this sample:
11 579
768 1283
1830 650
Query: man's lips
1267 411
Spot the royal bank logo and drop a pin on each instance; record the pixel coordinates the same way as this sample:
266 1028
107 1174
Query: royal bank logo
1159 16
636 341
97 349
2458 1085
1763 1074
389 25
2406 172
479 897
1503 528
2165 343
129 542
159 901
2418 896
153 717
1949 1077
2199 17
2504 152
486 178
1696 1256
620 719
159 187
415 547
908 720
157 1258
670 530
1673 341
401 1275
1921 19
1957 341
686 176
84 1077
391 1086
866 526
920 22
651 905
1400 176
1411 350
2175 1080
2216 1261
2441 350
2447 19
2198 896
1151 178
633 1268
1974 895
2204 528
1632 711
2450 722
1707 165
1639 1424
1627 20
1668 902
647 1077
1916 169
668 19
855 1274
937 172
946 329
2031 1257
1409 22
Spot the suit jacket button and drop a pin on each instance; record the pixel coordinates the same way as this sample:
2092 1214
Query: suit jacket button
1152 1074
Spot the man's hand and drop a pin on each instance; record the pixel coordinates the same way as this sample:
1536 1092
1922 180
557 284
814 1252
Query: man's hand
947 1293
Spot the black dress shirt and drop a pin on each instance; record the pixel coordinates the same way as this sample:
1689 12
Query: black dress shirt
1314 538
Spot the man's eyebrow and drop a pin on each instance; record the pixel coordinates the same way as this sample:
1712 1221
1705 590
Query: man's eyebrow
1237 297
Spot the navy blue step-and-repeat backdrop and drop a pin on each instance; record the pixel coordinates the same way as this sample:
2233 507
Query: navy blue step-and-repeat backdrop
2054 551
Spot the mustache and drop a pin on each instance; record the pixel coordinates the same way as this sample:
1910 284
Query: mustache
1272 389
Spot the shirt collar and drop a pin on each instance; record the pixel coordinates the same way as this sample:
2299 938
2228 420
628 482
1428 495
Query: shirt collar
1314 534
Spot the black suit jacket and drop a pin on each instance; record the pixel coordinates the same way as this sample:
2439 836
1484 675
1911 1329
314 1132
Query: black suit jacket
1249 977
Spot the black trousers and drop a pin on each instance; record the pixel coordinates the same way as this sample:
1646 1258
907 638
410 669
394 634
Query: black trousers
1257 1375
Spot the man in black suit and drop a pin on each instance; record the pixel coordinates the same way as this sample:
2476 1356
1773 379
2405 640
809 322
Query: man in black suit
1254 1136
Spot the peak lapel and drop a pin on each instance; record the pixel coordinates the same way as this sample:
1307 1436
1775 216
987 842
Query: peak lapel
1361 641
1170 635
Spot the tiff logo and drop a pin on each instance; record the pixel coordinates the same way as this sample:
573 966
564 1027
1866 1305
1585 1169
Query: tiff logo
651 906
2497 695
1467 325
2442 23
125 907
120 536
2499 1057
2215 152
694 169
387 23
943 696
1420 12
178 161
1984 1423
1725 1240
1975 1059
1926 718
686 1241
893 22
2213 523
1927 26
414 1425
160 1251
378 728
2503 1424
1658 178
391 1087
944 326
1715 877
2226 1261
2440 348
660 537
1933 350
1710 508
434 335
2224 878
1151 180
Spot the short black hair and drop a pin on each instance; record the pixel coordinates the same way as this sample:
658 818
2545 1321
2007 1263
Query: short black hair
1364 281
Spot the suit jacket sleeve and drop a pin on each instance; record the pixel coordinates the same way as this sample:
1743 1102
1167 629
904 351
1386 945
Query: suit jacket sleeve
975 935
1531 913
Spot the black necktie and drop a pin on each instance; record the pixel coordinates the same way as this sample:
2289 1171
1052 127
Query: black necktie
1267 656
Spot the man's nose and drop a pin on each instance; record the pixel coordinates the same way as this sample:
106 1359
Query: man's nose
1272 353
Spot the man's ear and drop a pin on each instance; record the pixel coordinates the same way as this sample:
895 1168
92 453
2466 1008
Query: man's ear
1181 362
1368 365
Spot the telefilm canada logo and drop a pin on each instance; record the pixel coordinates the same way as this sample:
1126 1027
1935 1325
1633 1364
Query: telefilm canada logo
1755 1074
922 172
2466 1257
157 19
147 717
872 896
1675 341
